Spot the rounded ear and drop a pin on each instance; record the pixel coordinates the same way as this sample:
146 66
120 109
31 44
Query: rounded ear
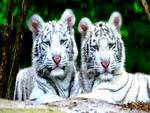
116 20
68 18
35 24
84 25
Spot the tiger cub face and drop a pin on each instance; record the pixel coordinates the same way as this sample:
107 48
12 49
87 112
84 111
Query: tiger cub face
102 47
54 46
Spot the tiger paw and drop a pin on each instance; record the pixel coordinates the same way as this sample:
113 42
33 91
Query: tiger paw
46 98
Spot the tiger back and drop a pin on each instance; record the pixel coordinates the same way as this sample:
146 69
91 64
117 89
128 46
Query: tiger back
24 83
102 75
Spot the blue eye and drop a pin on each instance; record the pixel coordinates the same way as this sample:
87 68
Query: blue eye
47 43
111 45
63 41
94 48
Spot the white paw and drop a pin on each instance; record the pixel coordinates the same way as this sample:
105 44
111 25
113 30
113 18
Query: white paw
46 98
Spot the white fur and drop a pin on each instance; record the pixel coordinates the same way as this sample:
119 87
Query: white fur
135 90
24 84
118 87
36 25
53 79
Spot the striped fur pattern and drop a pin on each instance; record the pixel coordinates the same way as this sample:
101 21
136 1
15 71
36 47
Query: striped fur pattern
24 84
53 56
102 74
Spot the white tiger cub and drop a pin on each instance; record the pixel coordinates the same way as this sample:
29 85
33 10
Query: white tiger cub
53 57
102 74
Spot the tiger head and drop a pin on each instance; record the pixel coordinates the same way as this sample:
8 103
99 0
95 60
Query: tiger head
54 47
102 47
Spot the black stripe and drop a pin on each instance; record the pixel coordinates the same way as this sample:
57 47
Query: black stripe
62 77
136 98
36 48
71 83
96 33
49 81
46 26
41 86
140 86
95 28
16 95
81 82
86 50
72 52
115 90
122 101
148 88
49 32
54 85
61 25
122 86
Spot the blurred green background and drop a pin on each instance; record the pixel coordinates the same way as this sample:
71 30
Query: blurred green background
135 29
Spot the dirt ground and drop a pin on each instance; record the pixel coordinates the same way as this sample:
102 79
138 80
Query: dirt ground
73 105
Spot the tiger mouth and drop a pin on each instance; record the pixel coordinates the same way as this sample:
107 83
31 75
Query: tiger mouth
56 68
106 72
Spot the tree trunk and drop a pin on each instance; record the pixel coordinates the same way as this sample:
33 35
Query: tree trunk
6 50
16 52
146 7
11 48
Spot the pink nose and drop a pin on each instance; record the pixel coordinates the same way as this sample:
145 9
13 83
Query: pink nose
105 64
56 59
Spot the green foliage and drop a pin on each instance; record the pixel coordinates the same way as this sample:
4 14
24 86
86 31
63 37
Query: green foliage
135 28
3 11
